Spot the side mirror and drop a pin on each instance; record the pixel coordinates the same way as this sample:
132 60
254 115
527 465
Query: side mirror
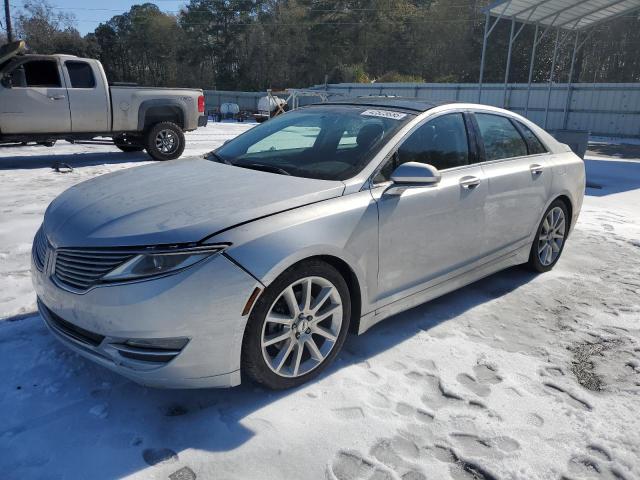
412 174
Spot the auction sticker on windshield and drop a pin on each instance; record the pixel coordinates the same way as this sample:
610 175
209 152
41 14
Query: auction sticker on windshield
384 114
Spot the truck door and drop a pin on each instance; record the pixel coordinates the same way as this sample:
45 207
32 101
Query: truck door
88 97
33 99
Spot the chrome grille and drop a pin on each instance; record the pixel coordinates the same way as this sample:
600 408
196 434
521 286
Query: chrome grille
81 269
39 249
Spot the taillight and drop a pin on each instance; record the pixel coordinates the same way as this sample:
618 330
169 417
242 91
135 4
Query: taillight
201 104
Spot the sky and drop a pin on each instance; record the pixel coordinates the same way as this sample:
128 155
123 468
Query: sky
90 13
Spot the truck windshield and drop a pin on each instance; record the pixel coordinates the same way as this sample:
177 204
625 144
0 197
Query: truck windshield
325 142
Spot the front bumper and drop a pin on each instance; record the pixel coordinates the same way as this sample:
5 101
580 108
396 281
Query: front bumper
202 304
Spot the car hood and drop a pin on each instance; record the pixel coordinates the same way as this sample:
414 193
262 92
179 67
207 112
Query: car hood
180 201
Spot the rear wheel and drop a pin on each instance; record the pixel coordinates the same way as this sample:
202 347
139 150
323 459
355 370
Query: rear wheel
165 141
550 238
127 143
297 326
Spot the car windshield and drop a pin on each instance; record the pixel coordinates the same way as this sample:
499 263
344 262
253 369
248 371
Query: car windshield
323 142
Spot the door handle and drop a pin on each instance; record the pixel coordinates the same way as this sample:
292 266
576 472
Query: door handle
56 97
536 169
469 182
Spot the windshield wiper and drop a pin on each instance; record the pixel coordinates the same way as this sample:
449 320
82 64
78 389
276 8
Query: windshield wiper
216 158
262 167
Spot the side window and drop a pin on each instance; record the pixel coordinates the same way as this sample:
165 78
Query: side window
36 73
80 74
501 138
535 145
441 142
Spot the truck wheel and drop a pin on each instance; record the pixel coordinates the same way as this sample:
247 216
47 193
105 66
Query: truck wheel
165 141
127 144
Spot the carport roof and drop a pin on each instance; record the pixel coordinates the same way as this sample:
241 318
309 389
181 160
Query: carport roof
565 14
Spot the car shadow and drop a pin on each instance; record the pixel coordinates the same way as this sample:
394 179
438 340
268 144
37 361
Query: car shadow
18 162
169 420
606 177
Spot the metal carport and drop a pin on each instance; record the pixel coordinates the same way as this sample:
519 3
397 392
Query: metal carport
568 18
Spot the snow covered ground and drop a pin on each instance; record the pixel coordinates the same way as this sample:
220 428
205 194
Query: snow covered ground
516 376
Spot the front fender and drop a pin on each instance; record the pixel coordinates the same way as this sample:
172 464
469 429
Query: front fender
345 228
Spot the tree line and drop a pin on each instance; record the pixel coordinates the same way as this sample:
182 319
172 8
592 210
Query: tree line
259 44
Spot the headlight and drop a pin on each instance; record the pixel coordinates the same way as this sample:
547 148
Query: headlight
160 263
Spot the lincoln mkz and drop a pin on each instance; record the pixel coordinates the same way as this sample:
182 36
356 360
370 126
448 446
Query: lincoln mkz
256 260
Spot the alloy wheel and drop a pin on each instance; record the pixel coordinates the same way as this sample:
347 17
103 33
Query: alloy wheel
551 236
166 141
302 326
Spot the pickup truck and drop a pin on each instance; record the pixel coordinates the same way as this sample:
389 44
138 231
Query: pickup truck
44 98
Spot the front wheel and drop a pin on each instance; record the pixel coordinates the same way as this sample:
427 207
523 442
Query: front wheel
165 141
297 326
550 238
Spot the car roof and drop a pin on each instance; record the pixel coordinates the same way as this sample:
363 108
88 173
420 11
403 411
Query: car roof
413 104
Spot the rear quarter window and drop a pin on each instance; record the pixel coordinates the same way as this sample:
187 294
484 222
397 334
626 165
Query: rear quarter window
80 74
534 143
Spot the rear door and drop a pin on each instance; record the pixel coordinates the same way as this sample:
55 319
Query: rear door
88 97
34 100
433 231
519 177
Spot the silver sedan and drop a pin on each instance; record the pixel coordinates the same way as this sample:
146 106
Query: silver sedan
256 260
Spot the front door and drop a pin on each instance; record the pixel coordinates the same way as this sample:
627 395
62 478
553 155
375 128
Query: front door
429 232
34 99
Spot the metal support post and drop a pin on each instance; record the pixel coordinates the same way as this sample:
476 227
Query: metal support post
567 105
506 70
484 48
553 66
531 62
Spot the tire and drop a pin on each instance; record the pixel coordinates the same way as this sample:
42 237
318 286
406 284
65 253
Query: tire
296 331
160 132
128 144
545 251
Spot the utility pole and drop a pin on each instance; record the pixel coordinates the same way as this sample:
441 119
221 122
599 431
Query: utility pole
7 14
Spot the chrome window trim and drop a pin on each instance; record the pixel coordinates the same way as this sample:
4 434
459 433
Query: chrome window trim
511 159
